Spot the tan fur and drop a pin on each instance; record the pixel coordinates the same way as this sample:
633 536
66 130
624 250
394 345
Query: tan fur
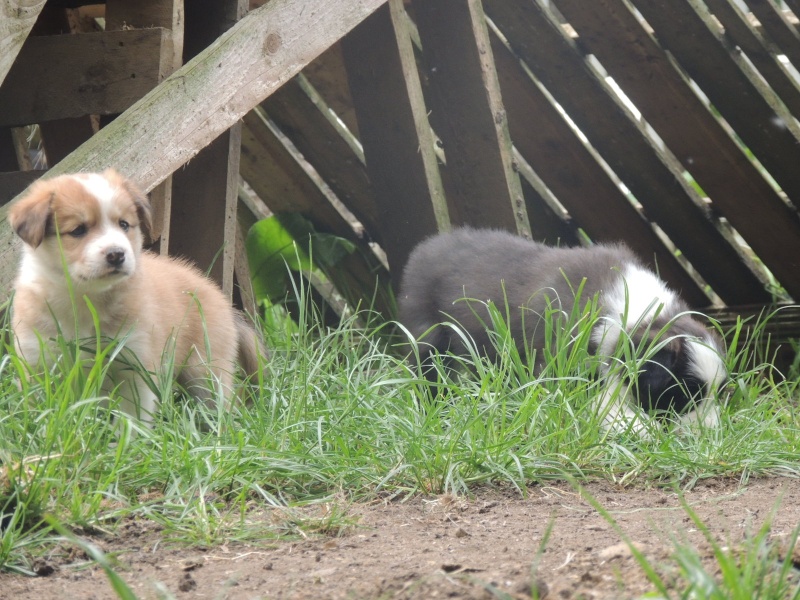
159 305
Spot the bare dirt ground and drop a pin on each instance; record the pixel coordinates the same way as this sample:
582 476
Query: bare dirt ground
439 547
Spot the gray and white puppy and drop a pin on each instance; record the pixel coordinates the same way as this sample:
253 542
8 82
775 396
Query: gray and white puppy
451 276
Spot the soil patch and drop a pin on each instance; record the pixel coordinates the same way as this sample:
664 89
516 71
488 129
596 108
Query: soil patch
479 547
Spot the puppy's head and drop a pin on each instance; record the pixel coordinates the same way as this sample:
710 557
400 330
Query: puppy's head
684 370
97 222
679 361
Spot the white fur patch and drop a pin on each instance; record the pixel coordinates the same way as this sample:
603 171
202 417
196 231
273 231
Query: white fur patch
99 187
706 363
635 298
616 411
637 295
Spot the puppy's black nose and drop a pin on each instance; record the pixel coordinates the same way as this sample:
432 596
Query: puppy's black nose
115 257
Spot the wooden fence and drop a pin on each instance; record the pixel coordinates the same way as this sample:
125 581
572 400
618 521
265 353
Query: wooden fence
668 124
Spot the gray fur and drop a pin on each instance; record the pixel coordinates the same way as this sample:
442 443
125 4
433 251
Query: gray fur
481 265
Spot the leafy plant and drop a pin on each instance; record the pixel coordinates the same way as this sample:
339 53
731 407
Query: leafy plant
287 243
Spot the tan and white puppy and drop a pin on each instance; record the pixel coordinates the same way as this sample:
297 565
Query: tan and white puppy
83 237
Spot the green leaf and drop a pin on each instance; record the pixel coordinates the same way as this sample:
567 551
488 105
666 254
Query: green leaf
289 240
270 249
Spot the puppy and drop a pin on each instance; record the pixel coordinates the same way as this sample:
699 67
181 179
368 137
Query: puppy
83 237
451 276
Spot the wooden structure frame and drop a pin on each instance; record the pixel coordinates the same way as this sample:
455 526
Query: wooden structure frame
668 124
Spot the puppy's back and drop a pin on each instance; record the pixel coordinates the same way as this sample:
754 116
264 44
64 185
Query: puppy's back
483 265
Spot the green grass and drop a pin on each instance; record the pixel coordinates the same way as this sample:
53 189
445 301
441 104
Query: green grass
341 415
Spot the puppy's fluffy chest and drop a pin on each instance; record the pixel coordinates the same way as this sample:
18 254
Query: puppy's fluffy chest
54 307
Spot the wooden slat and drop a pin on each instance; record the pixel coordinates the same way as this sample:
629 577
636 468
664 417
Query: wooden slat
62 76
206 96
395 133
62 136
307 120
794 5
201 216
686 32
576 178
278 179
328 75
737 189
760 49
780 30
548 225
649 173
243 295
167 14
18 19
471 122
286 186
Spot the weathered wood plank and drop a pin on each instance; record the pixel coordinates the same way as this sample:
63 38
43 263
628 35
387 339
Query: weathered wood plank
207 95
167 14
18 17
650 174
548 219
63 76
470 117
305 118
61 136
395 133
690 35
794 6
737 189
328 75
201 217
760 47
780 30
243 294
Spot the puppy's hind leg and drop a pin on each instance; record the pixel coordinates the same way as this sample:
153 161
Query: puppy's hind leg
426 349
210 384
706 415
617 415
137 398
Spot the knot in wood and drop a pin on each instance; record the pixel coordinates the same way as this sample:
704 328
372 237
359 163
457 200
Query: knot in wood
273 43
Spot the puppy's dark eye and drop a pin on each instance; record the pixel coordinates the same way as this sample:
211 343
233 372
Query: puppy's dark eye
79 231
124 225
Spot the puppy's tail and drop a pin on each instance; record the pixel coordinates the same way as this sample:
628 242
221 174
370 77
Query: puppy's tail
251 347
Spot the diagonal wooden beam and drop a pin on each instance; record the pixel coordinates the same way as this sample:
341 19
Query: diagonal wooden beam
18 17
205 97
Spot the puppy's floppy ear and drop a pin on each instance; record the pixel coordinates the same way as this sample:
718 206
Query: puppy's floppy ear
140 201
30 215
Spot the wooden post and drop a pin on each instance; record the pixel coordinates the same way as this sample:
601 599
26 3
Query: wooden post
395 133
206 189
167 14
468 115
